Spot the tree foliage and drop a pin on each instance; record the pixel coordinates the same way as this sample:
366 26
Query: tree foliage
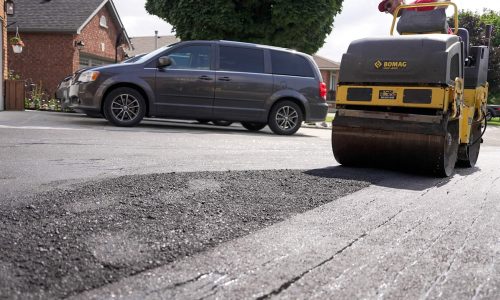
298 24
476 23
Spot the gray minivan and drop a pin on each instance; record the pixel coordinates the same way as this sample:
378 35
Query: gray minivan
253 84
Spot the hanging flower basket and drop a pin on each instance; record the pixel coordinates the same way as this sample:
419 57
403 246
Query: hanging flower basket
17 43
17 48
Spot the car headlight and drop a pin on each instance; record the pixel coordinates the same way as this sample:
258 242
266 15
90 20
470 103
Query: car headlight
88 76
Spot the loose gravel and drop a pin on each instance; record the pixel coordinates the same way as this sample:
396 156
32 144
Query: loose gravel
64 242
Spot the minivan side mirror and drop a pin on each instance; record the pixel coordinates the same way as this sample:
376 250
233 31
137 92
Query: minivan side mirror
164 61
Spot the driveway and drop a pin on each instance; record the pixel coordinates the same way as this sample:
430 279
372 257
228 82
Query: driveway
208 212
41 150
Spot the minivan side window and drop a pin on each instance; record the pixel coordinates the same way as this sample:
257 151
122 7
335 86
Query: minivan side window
195 57
284 63
240 59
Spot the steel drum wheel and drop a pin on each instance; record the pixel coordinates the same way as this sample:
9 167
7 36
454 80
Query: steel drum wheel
446 164
415 152
468 154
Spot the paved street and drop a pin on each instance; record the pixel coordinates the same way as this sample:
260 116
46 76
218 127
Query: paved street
38 148
302 227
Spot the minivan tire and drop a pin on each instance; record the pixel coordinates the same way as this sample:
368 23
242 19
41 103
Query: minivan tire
124 107
285 118
252 126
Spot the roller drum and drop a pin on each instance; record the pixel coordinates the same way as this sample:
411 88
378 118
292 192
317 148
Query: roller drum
395 144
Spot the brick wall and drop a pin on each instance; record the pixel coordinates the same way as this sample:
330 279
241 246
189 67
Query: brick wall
46 58
326 76
95 36
4 52
331 94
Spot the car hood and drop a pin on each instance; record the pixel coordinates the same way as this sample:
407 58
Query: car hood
115 68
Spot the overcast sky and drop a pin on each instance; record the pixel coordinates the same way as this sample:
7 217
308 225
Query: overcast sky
358 19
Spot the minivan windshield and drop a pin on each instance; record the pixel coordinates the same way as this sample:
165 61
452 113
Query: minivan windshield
150 55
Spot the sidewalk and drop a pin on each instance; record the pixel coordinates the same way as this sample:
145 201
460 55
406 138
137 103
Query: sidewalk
327 124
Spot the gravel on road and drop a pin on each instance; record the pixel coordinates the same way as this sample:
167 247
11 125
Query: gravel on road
64 242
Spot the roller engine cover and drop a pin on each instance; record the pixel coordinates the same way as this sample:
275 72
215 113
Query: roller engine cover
433 59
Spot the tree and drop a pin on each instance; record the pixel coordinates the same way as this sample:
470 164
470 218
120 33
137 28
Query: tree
297 24
475 23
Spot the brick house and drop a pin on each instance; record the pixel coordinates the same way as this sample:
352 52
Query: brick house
3 56
330 73
62 36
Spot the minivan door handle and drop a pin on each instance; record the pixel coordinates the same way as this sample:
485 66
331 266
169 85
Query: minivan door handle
225 78
205 77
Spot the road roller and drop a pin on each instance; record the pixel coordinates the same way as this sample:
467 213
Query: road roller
414 101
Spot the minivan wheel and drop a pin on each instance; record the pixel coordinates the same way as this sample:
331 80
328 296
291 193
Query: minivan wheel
285 118
252 126
124 107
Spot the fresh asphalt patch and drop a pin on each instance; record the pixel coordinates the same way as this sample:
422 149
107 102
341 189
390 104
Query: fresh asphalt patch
64 242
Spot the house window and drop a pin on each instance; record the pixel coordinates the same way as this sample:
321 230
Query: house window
103 22
333 81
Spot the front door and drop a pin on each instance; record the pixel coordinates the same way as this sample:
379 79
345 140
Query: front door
185 89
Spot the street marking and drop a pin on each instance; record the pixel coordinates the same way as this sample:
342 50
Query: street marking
39 128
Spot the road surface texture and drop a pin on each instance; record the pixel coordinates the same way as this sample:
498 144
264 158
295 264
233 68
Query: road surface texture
188 222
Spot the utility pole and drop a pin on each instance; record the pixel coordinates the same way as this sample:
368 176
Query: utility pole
156 39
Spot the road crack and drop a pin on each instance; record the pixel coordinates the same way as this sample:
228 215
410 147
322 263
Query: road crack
293 280
185 282
288 283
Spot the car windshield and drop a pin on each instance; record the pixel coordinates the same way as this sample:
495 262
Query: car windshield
150 55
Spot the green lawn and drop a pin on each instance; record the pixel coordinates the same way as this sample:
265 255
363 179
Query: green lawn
329 118
494 121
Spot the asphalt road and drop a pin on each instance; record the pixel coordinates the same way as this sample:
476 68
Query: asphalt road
344 233
41 150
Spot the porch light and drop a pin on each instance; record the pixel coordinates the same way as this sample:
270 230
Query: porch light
9 7
79 45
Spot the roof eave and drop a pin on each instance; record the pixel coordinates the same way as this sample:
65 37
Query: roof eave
79 30
115 11
44 30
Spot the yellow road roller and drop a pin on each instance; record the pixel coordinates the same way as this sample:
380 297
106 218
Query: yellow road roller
414 101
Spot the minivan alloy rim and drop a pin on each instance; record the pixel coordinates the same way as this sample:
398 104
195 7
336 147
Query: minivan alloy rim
287 117
125 107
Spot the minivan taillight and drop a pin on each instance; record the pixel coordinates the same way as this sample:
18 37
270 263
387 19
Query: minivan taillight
322 90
